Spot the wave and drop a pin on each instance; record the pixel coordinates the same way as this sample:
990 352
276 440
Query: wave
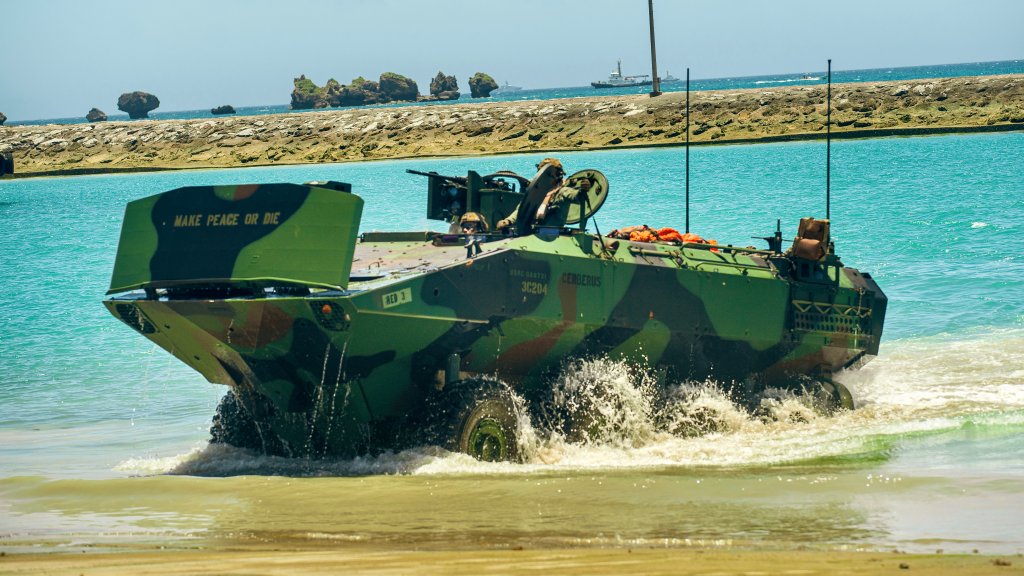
945 375
787 80
918 388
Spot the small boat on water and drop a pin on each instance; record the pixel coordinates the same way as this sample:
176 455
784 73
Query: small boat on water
617 80
668 78
506 89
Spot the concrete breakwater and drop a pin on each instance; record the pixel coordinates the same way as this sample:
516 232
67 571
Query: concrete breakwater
964 104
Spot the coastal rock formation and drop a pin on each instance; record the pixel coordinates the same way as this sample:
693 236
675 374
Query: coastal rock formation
137 104
860 110
306 95
392 88
225 109
363 91
2 118
333 92
481 85
358 93
444 87
96 115
398 88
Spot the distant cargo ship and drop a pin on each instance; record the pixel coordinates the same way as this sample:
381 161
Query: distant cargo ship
617 80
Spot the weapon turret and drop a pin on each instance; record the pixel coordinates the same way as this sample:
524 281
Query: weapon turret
494 196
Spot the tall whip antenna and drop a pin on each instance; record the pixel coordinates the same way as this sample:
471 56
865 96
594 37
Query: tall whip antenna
828 148
687 150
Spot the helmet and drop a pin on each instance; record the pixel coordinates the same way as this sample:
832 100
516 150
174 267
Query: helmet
552 161
473 217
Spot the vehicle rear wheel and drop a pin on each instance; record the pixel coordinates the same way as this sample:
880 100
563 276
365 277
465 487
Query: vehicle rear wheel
481 418
833 397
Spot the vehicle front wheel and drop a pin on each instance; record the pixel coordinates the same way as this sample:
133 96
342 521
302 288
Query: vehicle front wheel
481 419
232 424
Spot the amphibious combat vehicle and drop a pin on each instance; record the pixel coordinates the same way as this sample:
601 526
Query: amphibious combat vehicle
339 343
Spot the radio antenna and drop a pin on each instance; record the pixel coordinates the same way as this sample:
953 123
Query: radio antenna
828 147
687 150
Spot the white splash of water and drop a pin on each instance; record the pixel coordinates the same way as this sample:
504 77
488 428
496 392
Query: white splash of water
696 409
916 386
945 375
602 401
149 466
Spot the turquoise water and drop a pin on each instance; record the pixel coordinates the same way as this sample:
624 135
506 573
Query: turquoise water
103 436
696 84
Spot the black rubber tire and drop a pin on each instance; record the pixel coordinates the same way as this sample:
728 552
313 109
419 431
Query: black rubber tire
479 417
834 397
584 426
700 422
232 424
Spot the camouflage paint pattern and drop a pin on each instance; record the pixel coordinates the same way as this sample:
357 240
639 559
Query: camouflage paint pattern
339 353
235 234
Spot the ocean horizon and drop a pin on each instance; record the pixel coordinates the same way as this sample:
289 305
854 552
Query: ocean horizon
803 78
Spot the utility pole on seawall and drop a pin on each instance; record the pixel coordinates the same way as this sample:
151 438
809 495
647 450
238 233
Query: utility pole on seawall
656 85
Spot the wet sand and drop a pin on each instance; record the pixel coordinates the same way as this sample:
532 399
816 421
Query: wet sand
551 561
860 110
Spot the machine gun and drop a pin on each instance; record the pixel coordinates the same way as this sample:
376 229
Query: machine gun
775 240
456 180
494 196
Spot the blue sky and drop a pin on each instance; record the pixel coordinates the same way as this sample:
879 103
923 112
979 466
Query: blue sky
62 57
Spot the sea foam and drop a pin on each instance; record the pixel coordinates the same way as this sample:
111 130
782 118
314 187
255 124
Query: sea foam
919 386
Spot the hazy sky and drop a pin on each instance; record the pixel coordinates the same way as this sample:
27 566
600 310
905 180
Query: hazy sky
59 58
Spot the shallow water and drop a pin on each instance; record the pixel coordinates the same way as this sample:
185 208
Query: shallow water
103 436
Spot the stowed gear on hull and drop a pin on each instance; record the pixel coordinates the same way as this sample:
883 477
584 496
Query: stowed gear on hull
337 344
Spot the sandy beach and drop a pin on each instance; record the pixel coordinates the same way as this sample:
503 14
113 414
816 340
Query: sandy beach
860 110
551 561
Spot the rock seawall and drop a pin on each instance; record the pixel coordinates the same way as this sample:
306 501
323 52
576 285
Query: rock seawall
480 128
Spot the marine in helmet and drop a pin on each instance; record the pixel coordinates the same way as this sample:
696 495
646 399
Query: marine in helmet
553 211
454 210
473 225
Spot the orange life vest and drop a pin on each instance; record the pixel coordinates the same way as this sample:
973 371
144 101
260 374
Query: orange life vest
644 235
669 235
